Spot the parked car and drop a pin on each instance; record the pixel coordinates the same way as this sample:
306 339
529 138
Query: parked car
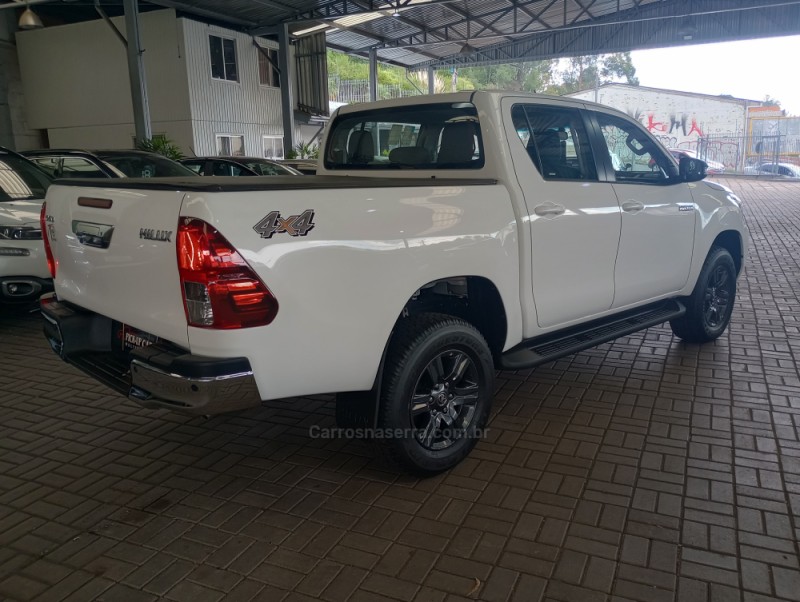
307 167
71 163
402 279
24 274
769 168
714 167
238 166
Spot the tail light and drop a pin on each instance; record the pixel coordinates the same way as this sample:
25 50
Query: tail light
51 262
220 290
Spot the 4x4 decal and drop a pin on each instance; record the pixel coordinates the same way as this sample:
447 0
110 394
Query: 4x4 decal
294 225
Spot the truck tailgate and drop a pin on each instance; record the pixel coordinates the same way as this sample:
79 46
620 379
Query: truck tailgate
115 255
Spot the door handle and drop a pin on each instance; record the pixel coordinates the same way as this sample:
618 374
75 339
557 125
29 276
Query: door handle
632 206
549 210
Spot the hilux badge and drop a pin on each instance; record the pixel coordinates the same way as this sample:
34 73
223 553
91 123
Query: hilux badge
152 234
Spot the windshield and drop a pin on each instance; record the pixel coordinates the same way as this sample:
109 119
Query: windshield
430 136
146 166
21 180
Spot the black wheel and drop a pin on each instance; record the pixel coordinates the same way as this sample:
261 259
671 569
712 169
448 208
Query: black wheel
709 308
437 392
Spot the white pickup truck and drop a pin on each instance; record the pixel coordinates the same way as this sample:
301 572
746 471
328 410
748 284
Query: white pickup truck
444 237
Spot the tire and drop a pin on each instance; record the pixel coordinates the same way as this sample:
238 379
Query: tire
445 364
709 308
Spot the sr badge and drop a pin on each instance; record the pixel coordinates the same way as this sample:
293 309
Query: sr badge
294 225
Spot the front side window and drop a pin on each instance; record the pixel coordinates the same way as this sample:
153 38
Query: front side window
141 165
431 136
223 58
273 147
268 74
556 141
230 146
634 156
226 168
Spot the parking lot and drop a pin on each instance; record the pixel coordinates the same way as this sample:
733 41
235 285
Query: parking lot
645 469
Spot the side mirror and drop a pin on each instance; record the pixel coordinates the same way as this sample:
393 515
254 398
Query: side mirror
691 169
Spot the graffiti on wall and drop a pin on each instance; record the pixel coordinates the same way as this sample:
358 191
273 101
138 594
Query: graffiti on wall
676 125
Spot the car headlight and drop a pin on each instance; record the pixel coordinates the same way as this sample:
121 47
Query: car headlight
20 233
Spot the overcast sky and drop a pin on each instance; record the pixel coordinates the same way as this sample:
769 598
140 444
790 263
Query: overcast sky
749 69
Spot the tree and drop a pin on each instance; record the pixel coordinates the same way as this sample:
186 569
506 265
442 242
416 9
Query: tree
530 76
773 102
586 72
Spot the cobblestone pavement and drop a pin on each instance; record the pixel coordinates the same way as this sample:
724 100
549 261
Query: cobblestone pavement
645 469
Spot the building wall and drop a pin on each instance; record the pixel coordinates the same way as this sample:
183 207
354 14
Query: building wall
77 85
678 119
15 132
243 108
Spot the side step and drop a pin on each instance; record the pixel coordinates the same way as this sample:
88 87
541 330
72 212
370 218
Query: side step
552 346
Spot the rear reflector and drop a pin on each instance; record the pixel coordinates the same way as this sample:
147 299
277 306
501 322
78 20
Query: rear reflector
220 290
51 262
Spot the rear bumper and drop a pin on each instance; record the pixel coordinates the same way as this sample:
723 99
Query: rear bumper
158 376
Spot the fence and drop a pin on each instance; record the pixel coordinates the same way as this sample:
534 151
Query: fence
746 154
357 90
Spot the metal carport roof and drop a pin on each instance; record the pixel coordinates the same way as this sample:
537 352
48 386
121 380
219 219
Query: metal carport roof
416 33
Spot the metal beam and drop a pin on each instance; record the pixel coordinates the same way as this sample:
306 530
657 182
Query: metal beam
431 80
648 26
141 108
287 89
373 74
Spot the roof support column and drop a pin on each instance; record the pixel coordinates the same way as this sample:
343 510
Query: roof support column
287 88
373 74
431 80
141 108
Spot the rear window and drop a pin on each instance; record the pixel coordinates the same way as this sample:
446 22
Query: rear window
431 136
147 166
21 180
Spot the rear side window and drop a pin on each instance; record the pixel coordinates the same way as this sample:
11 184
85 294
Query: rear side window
433 136
556 141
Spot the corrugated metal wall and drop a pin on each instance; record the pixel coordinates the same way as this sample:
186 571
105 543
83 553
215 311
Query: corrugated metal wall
243 108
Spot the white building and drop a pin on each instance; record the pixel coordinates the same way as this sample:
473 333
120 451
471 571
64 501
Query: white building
675 117
211 90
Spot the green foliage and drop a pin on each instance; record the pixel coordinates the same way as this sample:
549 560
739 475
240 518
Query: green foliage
550 76
304 150
161 145
773 102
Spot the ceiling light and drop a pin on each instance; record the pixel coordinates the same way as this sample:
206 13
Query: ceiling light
29 20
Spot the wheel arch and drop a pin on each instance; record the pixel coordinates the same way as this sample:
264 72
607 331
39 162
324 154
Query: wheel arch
731 241
475 299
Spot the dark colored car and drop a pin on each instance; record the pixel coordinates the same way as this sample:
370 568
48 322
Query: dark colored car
68 163
238 166
307 167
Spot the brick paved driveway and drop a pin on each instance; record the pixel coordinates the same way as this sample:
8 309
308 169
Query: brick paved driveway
644 470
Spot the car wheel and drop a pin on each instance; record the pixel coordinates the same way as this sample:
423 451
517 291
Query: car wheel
709 308
437 393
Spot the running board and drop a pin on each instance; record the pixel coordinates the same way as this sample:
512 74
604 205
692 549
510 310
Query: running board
549 347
